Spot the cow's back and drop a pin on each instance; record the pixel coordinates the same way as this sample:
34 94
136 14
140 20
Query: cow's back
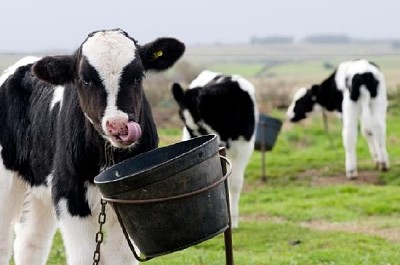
228 108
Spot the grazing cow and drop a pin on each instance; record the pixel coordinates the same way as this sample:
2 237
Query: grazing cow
222 105
64 119
357 90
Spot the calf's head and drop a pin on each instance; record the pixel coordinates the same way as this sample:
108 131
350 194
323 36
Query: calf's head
303 103
107 71
188 104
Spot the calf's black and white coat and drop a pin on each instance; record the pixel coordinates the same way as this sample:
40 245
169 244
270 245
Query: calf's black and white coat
222 105
357 90
64 119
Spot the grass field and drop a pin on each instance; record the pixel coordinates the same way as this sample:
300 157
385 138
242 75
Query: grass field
307 212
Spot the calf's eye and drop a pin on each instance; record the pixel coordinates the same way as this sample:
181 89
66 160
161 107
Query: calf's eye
86 82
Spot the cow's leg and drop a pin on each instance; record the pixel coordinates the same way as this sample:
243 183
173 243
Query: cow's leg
235 183
35 232
378 110
79 235
115 249
349 134
239 154
369 132
383 157
12 192
369 136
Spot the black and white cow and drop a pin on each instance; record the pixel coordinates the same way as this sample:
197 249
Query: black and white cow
222 105
357 90
64 119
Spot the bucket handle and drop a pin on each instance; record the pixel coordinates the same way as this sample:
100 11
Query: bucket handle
130 244
176 197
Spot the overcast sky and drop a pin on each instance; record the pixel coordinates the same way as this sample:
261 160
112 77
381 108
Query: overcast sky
38 25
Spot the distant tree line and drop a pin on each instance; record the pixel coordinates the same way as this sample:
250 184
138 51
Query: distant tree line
272 40
396 44
328 38
316 39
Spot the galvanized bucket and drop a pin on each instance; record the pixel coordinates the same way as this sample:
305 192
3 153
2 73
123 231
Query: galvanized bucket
169 198
267 132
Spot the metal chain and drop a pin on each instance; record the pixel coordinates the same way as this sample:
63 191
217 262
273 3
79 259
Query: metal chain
100 234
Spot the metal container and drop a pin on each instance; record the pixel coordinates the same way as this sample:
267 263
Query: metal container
169 198
267 132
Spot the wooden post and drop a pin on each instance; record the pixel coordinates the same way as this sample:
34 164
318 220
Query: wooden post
262 149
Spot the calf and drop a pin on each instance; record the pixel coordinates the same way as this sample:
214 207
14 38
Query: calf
225 106
357 90
64 119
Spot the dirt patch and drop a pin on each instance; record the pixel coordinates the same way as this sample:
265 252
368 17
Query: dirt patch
249 186
392 234
259 217
367 226
317 178
364 178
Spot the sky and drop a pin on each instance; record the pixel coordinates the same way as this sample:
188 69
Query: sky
41 25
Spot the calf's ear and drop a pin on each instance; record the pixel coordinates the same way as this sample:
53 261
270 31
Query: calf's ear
314 89
161 53
178 92
56 70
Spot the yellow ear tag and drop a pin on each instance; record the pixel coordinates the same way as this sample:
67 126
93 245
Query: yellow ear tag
158 54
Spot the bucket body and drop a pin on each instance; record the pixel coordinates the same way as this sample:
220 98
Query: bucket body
267 132
162 227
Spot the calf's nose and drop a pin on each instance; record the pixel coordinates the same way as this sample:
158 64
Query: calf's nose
117 125
126 131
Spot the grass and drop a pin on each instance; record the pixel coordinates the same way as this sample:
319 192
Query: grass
274 215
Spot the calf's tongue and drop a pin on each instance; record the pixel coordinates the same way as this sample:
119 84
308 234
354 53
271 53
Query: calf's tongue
134 133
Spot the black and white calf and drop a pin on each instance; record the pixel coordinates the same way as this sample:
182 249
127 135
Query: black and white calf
357 90
64 119
225 106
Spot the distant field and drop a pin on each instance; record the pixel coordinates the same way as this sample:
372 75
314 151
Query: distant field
305 70
294 63
7 59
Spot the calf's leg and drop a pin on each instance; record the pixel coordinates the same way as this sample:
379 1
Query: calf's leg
349 134
116 249
79 234
379 117
35 232
12 192
369 132
239 154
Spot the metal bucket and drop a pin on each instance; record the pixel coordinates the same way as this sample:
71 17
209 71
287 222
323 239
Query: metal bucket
267 132
169 198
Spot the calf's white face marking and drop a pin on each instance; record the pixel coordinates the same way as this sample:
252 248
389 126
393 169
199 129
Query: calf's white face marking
301 92
109 53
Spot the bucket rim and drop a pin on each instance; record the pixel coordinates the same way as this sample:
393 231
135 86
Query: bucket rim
176 197
97 179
